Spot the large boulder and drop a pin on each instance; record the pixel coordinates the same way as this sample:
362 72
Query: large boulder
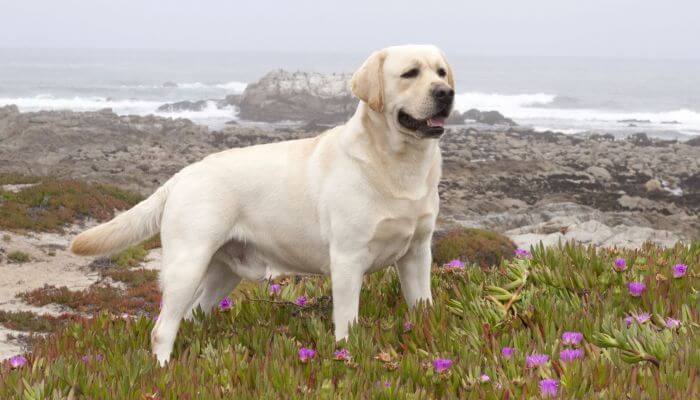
298 96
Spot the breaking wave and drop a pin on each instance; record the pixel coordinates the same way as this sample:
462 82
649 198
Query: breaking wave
546 111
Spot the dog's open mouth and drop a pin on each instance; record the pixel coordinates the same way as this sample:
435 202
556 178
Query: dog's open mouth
432 127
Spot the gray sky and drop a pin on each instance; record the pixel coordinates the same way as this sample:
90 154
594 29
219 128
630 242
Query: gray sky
619 28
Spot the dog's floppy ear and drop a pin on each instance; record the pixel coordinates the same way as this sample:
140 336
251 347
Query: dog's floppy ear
367 83
450 76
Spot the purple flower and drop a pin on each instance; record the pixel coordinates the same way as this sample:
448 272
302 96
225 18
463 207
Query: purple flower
672 323
341 355
572 338
620 264
507 352
225 304
484 378
386 384
636 288
536 360
407 326
86 358
454 264
306 354
549 387
275 289
641 318
442 364
18 362
568 355
679 270
301 301
522 253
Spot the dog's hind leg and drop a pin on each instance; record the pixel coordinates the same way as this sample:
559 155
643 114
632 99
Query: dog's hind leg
181 275
218 282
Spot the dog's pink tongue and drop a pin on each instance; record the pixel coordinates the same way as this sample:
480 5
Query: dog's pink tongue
436 122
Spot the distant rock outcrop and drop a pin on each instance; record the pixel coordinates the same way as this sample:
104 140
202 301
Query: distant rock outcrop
298 96
488 117
184 106
455 118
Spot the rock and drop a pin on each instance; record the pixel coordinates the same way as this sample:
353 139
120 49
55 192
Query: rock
169 84
298 96
455 118
199 105
693 142
488 117
653 185
230 100
184 106
9 110
598 234
634 121
599 173
640 139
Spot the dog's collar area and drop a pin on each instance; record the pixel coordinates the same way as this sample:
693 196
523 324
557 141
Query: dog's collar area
432 127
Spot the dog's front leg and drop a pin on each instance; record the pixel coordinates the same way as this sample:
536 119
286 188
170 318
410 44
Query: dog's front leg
347 272
414 273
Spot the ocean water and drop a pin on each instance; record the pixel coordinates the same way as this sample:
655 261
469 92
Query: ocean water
548 93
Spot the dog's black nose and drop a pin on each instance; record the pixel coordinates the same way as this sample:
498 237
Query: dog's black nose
443 94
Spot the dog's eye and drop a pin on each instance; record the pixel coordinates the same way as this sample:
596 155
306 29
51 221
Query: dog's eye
411 73
441 72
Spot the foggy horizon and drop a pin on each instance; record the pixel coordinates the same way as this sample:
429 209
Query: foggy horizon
542 28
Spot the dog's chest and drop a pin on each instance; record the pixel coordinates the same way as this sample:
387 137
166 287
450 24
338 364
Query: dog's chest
394 233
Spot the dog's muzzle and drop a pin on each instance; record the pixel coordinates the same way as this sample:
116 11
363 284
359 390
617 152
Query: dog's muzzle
432 127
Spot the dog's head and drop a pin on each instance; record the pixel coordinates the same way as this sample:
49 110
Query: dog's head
412 86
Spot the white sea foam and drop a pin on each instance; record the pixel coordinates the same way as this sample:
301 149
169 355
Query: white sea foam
48 102
530 109
210 115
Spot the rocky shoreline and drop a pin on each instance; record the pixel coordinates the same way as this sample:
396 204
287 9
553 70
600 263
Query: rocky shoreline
501 177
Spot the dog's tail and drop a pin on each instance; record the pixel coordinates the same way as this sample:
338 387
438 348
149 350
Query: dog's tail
128 228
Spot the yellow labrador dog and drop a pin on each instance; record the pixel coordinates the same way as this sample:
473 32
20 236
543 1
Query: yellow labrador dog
348 202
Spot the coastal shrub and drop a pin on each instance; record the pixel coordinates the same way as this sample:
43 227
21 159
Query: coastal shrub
18 257
50 203
472 246
506 335
131 257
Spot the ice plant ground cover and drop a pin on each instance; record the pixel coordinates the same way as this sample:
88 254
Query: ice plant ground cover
486 321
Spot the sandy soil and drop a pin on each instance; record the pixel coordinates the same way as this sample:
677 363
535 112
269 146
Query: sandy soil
50 264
